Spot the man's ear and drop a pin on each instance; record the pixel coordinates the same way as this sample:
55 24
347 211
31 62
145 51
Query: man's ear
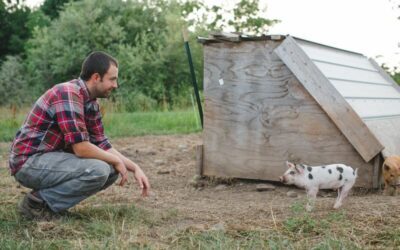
95 77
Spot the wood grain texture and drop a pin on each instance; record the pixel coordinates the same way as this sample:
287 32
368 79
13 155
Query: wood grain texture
262 116
336 107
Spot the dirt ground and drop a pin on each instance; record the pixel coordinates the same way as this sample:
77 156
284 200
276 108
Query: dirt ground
169 162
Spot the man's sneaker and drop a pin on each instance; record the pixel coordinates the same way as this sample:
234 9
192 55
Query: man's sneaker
34 208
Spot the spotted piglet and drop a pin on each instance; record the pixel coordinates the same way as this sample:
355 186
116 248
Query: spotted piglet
335 176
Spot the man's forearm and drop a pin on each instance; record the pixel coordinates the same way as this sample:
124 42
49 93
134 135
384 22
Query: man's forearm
88 150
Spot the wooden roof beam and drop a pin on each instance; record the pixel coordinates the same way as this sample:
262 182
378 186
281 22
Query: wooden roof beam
330 100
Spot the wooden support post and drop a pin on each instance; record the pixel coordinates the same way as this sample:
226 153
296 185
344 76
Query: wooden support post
199 159
376 173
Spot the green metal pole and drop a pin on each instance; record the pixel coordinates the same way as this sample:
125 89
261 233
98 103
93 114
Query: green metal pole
194 82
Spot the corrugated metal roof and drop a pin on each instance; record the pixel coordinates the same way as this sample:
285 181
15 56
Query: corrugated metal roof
357 79
370 91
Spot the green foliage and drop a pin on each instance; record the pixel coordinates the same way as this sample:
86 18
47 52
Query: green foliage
246 18
52 8
396 76
17 22
13 33
37 19
136 101
13 84
394 72
145 36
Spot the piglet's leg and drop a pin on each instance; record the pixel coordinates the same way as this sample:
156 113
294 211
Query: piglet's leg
338 202
388 189
344 191
311 196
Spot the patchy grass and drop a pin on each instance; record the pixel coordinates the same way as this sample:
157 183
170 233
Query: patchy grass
9 127
89 227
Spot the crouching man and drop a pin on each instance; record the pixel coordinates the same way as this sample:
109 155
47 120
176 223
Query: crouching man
61 152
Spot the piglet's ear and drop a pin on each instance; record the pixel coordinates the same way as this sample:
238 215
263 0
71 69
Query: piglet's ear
387 168
289 164
299 170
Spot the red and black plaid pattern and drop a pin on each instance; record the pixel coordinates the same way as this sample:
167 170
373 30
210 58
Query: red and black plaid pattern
62 116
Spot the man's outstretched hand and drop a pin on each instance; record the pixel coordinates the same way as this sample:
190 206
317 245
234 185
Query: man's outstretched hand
128 165
143 182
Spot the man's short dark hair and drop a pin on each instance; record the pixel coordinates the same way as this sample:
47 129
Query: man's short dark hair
96 62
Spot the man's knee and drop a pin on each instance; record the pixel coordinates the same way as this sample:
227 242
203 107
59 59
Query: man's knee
97 170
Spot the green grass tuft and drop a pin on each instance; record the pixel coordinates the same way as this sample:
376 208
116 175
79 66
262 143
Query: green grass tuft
155 123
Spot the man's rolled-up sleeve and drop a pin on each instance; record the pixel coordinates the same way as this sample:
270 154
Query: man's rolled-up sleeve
95 127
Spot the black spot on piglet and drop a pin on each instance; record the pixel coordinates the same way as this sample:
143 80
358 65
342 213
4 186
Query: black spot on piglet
330 171
340 177
323 166
309 169
340 169
310 176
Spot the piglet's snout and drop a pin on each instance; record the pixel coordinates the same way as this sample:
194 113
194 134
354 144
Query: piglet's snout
282 179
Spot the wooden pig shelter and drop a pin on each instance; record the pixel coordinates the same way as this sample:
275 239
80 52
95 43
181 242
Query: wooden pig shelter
270 99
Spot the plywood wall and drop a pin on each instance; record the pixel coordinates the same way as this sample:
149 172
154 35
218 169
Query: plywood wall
257 115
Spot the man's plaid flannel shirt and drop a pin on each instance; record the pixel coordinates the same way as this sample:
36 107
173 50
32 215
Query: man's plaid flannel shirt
64 115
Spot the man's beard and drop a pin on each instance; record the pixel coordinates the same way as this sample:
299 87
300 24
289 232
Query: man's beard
105 94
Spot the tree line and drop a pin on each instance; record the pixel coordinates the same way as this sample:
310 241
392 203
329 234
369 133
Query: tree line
44 46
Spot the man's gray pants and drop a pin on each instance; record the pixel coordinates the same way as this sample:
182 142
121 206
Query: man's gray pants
63 179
